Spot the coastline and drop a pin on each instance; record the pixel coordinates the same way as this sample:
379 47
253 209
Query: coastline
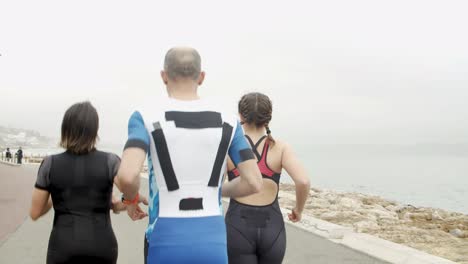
434 231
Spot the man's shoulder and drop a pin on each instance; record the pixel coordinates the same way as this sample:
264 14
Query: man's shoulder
156 109
221 106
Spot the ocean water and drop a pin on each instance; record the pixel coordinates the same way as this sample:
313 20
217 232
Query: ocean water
420 175
428 175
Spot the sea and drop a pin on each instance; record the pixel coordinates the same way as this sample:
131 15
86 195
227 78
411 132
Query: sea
424 175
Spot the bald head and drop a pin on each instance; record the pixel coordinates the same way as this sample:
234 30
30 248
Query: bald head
182 63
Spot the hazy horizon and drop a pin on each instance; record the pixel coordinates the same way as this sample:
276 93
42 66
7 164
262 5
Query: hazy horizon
338 72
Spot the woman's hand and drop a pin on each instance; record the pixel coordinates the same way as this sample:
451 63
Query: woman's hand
134 210
135 213
295 215
117 205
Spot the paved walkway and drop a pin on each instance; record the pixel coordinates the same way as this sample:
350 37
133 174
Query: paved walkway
24 241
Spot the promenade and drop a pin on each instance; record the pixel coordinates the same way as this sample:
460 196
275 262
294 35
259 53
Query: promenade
24 241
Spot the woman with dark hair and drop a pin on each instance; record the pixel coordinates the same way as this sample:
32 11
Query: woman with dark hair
79 182
254 223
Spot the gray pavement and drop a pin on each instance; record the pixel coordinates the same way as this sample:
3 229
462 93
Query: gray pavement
26 241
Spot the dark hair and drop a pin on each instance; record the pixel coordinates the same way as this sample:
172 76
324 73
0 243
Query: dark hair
257 109
79 128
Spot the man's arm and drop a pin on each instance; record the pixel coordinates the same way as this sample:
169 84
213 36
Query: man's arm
133 157
248 182
129 171
250 179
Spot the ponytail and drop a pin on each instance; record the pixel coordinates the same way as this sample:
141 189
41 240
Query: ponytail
269 136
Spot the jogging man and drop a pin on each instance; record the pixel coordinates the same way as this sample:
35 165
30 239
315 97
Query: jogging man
185 140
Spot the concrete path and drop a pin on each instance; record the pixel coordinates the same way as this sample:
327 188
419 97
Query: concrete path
24 241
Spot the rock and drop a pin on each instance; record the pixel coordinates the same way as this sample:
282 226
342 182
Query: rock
435 231
365 225
349 203
318 203
331 197
368 201
391 208
436 216
380 207
405 218
383 214
457 233
388 222
365 213
404 208
329 216
421 216
315 190
342 217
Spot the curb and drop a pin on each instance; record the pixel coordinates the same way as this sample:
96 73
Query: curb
9 163
389 251
370 245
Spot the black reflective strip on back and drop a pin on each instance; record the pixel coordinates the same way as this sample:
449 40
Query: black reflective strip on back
221 155
197 120
191 204
136 143
164 158
246 154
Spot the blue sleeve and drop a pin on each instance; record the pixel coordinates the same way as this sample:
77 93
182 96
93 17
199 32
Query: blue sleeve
240 150
137 134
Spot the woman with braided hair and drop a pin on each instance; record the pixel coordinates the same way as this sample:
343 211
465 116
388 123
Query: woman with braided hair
254 223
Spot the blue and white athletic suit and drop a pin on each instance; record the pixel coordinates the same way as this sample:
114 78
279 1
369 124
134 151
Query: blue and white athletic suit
187 143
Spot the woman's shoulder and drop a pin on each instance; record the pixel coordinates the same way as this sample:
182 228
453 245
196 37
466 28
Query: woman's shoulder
109 155
46 164
47 160
280 144
280 147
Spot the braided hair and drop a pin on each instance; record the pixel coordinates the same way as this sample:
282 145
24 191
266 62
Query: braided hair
257 109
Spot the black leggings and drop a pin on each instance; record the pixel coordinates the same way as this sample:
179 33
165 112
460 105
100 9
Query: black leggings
255 234
73 245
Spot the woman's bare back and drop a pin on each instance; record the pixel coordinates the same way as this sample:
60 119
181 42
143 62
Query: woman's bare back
274 162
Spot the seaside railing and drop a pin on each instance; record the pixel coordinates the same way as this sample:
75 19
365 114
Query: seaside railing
28 159
37 159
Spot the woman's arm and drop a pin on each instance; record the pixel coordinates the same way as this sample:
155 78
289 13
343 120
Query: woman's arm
117 205
298 173
40 204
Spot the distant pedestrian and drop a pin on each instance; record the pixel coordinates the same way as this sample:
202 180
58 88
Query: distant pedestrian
8 155
19 155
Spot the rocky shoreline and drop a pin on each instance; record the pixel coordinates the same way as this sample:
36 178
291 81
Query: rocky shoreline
435 231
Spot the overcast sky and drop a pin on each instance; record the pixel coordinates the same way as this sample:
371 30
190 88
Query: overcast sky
337 71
